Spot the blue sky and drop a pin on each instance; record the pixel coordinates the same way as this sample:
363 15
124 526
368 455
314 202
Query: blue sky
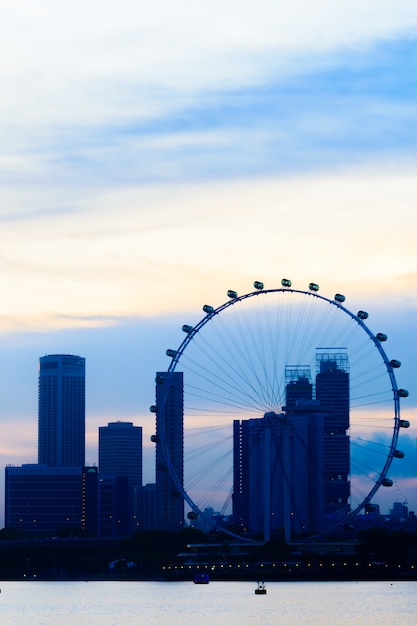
153 157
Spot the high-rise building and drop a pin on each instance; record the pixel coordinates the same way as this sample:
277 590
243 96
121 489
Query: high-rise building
120 450
61 411
120 455
332 392
278 469
169 440
278 464
55 494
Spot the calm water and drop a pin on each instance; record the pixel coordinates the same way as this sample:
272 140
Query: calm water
228 603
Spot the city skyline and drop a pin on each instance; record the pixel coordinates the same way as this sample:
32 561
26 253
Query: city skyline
67 372
149 451
155 157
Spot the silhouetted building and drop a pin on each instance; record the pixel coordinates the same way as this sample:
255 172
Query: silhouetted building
145 497
169 440
120 450
61 411
291 470
42 500
52 496
399 510
120 454
332 391
113 494
278 469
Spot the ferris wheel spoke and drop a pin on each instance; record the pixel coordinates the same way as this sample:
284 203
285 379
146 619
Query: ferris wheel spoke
233 371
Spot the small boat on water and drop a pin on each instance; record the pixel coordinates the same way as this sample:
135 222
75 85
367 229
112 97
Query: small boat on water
260 589
201 579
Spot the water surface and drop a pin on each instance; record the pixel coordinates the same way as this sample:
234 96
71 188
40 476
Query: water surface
37 603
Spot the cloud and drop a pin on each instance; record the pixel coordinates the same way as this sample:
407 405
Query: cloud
74 64
152 250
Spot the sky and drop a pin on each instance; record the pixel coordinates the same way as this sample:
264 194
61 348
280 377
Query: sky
155 155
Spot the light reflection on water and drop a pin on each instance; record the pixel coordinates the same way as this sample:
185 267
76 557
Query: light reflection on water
219 603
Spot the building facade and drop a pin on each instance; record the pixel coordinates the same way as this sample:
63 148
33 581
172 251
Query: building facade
169 439
61 411
120 454
292 470
113 496
278 469
42 500
120 450
332 392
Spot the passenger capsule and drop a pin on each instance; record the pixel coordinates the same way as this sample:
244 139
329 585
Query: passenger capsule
159 380
339 297
285 282
154 438
313 287
187 329
363 315
232 294
403 393
153 408
404 424
395 363
207 308
192 515
399 454
381 336
387 482
258 285
171 353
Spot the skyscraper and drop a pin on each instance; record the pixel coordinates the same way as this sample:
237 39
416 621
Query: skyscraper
120 450
332 392
278 470
278 464
61 411
120 457
169 442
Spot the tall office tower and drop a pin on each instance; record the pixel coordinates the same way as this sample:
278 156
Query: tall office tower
61 411
120 450
120 455
332 391
278 469
169 501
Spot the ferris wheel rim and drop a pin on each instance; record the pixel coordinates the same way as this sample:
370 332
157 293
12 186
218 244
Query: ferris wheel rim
192 331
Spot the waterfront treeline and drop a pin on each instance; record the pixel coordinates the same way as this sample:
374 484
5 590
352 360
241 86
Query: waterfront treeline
375 553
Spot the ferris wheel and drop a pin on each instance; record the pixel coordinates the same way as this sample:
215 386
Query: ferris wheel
242 362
